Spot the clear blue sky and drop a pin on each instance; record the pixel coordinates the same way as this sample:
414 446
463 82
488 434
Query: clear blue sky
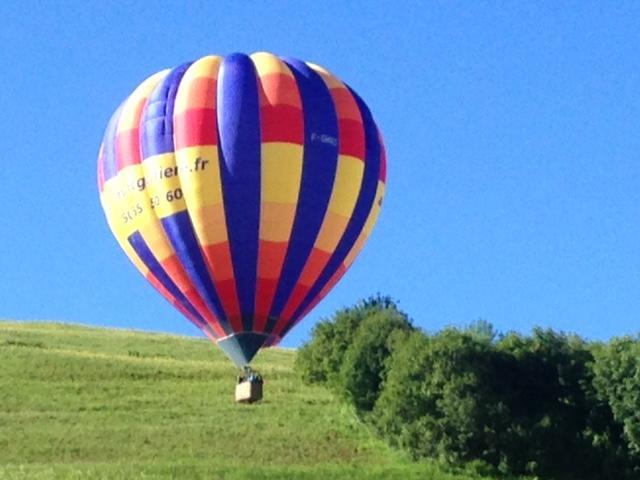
512 129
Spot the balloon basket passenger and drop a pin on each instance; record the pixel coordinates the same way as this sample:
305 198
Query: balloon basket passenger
249 386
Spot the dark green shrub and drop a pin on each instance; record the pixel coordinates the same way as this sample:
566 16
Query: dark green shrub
554 415
617 379
320 360
364 367
437 400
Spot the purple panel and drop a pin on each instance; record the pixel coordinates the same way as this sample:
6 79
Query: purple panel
146 256
179 231
320 160
239 149
360 212
156 135
156 132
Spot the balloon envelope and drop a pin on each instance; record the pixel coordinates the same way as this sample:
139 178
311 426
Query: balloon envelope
242 188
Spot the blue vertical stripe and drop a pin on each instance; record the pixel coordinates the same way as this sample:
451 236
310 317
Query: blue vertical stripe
361 211
180 232
146 256
320 160
156 135
239 148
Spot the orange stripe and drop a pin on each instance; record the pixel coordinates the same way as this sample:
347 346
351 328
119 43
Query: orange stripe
270 260
345 104
176 272
278 88
218 259
316 262
335 278
297 296
201 92
312 270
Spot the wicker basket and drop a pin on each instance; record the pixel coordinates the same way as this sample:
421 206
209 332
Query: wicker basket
249 391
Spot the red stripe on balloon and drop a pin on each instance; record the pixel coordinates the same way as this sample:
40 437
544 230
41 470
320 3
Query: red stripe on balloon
383 159
195 126
264 297
218 258
281 123
270 260
351 138
297 296
171 299
176 272
127 148
323 293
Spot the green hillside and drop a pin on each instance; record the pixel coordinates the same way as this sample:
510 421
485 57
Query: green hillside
79 402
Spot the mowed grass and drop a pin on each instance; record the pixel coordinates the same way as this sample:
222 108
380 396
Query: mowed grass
80 402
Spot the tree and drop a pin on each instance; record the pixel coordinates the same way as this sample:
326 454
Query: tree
363 370
320 360
435 402
617 379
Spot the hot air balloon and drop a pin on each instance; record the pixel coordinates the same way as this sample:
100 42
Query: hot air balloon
242 188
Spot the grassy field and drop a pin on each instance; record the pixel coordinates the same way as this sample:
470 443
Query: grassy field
79 402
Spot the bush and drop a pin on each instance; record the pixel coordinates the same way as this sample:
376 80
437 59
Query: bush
320 360
437 399
548 405
554 414
617 379
363 370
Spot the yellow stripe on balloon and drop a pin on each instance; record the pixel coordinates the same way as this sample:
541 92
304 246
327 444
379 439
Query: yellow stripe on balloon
163 182
130 116
331 80
199 169
346 188
267 63
209 224
202 190
136 205
375 210
112 206
137 199
206 67
333 226
156 240
368 226
281 171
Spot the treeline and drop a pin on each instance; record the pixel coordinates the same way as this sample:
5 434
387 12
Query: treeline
549 404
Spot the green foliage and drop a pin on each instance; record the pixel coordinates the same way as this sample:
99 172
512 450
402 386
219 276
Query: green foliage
363 369
437 398
617 372
554 414
321 359
79 403
548 404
